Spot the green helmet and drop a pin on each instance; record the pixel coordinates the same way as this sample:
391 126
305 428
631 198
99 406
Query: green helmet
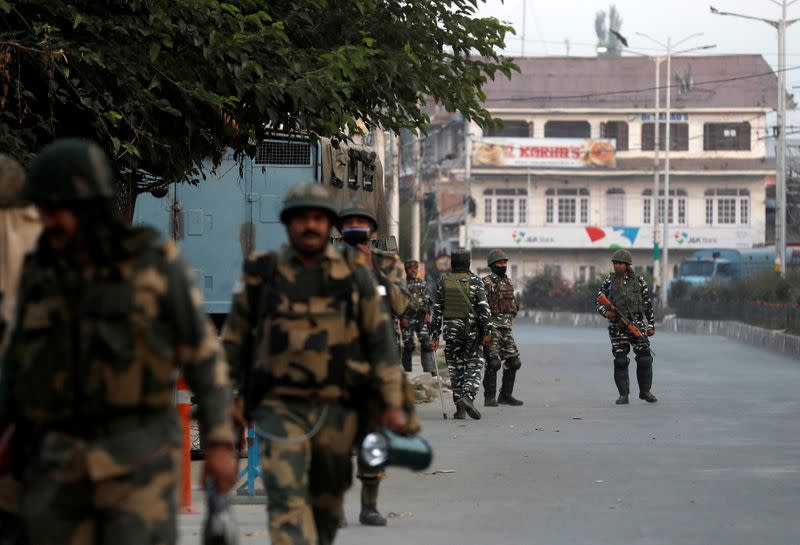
495 256
67 171
622 256
358 210
308 195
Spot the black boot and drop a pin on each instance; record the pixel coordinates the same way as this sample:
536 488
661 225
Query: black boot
371 517
490 387
621 379
507 387
406 359
369 503
469 408
460 413
644 375
426 358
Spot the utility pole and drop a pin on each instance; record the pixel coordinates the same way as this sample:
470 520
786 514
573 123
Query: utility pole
656 175
467 179
780 153
669 49
524 17
667 145
415 212
394 198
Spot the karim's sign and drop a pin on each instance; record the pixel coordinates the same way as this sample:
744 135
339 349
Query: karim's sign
545 152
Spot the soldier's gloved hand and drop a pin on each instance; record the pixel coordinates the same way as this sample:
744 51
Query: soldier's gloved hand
651 332
433 346
395 419
427 318
404 323
487 340
220 466
610 314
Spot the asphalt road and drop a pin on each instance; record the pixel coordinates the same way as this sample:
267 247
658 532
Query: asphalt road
717 460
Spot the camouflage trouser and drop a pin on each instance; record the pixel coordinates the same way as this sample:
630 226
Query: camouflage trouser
61 505
503 344
464 356
370 479
621 342
305 477
420 329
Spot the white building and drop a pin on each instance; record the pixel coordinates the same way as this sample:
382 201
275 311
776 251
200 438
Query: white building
550 191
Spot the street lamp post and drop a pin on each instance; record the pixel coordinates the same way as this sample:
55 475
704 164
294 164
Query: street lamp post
665 215
780 183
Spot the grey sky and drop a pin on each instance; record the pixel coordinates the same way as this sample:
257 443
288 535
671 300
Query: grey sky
550 22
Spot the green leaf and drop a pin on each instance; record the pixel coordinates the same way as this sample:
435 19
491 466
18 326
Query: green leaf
78 19
155 49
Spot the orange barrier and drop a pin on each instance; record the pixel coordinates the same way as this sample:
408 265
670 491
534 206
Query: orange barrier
183 401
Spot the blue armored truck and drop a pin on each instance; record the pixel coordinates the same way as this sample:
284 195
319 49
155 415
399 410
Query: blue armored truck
236 208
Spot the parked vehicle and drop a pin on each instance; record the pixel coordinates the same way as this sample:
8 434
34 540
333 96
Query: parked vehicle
721 265
236 209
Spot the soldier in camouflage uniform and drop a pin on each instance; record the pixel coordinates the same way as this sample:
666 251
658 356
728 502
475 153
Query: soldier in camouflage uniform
629 293
358 224
308 336
503 302
106 314
460 306
416 320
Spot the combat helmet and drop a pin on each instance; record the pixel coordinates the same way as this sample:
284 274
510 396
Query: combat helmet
308 195
12 180
622 256
495 256
358 210
68 171
460 260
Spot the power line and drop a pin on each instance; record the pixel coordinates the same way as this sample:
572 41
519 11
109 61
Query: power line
639 90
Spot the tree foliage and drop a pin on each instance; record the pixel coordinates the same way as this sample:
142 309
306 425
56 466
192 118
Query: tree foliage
165 84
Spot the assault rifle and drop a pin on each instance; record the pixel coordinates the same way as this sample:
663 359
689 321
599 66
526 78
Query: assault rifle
605 301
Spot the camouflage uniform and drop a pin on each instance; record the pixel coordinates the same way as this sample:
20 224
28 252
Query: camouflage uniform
89 374
463 351
322 342
417 325
502 301
389 274
631 296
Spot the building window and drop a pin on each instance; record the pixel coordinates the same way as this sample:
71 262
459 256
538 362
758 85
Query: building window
511 128
567 206
615 207
567 129
726 136
678 136
504 205
727 206
617 130
676 209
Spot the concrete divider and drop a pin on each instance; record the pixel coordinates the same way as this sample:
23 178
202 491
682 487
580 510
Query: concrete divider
776 341
557 317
